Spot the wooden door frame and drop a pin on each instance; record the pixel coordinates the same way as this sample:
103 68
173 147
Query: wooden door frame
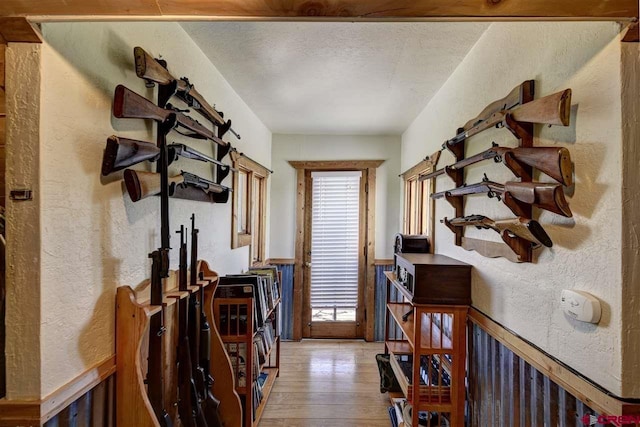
302 169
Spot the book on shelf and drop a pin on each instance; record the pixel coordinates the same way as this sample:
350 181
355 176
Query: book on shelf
271 271
259 291
238 355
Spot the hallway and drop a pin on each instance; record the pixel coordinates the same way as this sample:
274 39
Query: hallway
327 383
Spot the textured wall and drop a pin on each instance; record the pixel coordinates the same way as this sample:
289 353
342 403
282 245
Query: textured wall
23 349
333 147
93 237
587 248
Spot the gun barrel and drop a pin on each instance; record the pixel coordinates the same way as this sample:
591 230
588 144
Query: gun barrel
554 109
148 68
525 228
553 161
481 187
545 196
142 184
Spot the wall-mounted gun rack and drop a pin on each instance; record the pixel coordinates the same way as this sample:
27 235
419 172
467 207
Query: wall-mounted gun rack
120 153
517 112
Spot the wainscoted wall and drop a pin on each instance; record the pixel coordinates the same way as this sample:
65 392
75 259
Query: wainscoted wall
381 301
506 390
96 408
286 311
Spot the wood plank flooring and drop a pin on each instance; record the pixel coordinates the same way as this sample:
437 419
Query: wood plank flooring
327 383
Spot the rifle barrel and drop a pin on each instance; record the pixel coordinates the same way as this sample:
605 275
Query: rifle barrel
553 161
552 109
149 69
525 228
130 105
543 195
142 184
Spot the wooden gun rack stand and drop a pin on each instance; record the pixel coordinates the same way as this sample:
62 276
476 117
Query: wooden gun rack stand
524 132
133 313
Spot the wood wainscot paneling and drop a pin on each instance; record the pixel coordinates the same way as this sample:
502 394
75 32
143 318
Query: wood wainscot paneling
89 396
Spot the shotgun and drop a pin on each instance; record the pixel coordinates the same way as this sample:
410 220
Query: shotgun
149 69
129 105
201 340
155 373
144 184
527 229
545 196
553 161
188 404
120 153
553 109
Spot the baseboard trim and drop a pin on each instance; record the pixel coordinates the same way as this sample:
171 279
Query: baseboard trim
34 412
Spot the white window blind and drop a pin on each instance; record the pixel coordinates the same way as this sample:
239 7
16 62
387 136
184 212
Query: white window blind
334 239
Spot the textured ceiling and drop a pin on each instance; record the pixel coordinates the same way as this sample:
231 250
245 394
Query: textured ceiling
336 77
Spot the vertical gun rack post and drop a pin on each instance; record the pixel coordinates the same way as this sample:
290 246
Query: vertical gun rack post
524 132
165 92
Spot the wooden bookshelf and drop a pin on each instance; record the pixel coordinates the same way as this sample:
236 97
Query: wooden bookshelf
434 341
244 332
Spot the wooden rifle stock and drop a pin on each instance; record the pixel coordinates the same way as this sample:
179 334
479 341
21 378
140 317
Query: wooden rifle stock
553 161
120 153
149 69
527 229
545 196
128 104
553 109
144 184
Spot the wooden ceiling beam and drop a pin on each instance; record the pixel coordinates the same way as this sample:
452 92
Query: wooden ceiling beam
632 34
326 9
18 30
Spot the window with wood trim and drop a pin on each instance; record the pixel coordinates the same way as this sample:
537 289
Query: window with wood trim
248 222
418 206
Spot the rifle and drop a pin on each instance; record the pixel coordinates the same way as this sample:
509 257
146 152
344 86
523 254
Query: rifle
144 184
155 374
120 153
201 344
553 161
188 404
553 109
149 69
545 196
527 229
128 104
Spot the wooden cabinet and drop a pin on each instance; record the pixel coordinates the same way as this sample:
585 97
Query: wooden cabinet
427 342
255 368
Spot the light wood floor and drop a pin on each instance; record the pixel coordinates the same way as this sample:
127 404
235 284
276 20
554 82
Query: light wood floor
327 383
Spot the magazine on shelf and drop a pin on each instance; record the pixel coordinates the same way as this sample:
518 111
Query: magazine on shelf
258 292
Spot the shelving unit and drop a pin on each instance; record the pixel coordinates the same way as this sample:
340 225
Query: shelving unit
430 349
243 331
